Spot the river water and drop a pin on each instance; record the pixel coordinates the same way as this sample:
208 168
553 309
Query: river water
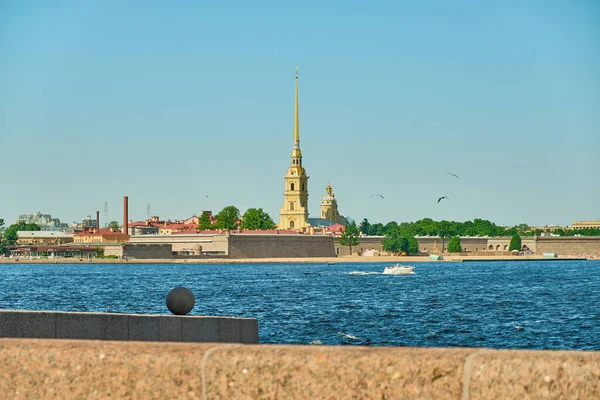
517 305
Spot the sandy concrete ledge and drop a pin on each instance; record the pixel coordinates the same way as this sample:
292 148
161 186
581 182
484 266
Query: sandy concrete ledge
67 369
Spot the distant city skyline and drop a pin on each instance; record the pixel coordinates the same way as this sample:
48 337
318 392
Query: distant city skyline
173 102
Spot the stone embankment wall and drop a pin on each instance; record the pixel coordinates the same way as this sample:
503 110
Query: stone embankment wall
502 243
99 369
569 245
366 243
210 243
139 251
147 250
563 245
110 326
280 246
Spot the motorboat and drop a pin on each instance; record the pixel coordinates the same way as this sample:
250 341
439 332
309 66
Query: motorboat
398 270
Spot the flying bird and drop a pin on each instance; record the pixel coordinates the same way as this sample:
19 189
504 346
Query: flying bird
454 175
377 194
443 197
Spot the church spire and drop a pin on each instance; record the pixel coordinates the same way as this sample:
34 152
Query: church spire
296 119
294 213
296 153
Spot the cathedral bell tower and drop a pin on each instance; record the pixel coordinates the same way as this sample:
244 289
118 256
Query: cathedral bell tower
294 213
329 207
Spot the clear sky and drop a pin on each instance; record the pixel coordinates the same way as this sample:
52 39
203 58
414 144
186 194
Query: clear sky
172 101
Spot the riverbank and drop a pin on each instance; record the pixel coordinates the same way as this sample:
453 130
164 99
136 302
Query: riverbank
312 260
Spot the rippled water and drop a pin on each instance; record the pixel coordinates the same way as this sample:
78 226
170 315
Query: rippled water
535 305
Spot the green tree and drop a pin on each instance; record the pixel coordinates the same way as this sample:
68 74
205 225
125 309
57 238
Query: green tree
515 243
522 229
10 233
204 222
2 245
365 227
444 230
114 225
395 243
413 245
454 245
256 218
350 236
228 218
377 230
99 252
390 226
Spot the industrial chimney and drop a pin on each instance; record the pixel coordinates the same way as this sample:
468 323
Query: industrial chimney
97 219
126 215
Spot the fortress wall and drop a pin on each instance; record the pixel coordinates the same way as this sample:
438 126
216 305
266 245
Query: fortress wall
113 250
474 244
426 244
504 242
366 243
280 246
216 243
103 369
111 326
569 245
141 251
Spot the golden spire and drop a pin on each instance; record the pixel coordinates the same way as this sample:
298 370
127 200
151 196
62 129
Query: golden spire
296 119
296 153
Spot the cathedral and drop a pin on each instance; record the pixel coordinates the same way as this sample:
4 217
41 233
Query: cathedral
329 208
294 213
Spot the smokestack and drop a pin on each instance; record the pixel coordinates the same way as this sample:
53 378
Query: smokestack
126 215
97 219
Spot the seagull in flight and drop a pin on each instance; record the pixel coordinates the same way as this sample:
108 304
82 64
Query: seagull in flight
443 197
454 175
377 194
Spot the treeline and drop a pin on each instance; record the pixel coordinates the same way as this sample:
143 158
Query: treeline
8 236
477 227
230 218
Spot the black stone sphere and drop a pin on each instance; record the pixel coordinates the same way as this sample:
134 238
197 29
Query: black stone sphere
180 301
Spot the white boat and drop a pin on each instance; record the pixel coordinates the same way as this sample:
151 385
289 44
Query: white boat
398 270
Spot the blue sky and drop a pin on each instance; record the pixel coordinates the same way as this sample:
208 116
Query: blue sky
168 102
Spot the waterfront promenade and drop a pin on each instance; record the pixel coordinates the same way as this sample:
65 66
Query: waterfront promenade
312 260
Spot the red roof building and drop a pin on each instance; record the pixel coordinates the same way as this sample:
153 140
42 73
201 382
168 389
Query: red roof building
336 229
104 235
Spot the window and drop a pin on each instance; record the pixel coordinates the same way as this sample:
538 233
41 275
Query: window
302 187
291 224
291 205
292 186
